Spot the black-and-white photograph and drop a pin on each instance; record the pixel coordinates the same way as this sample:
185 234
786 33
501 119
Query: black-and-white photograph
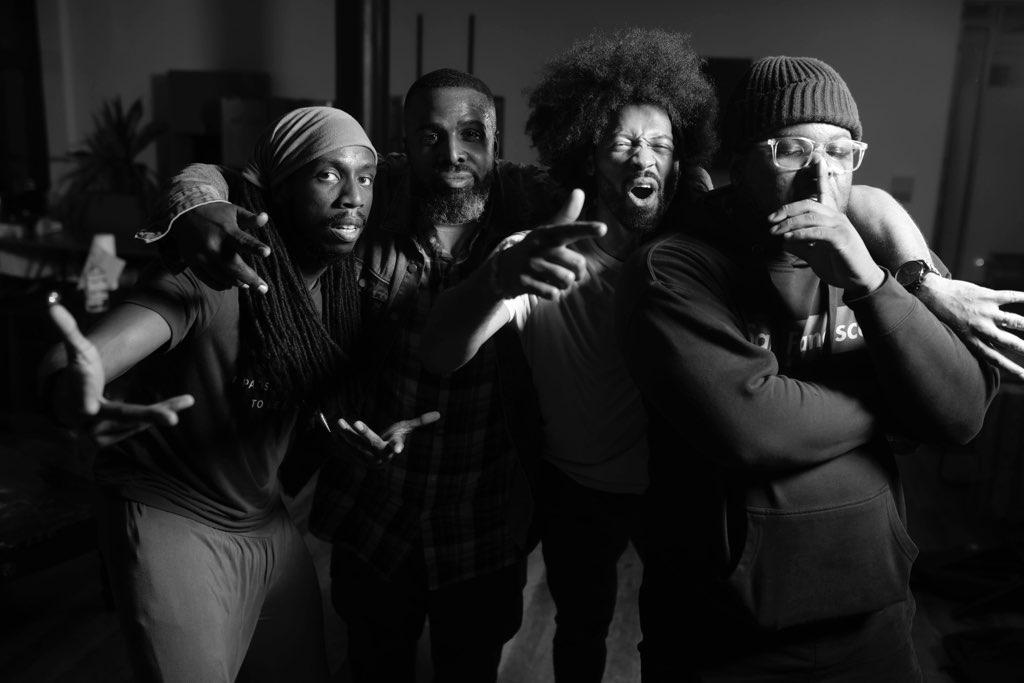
379 341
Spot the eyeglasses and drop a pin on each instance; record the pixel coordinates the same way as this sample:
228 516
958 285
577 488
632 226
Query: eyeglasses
794 153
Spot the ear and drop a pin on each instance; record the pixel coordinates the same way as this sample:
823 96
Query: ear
497 146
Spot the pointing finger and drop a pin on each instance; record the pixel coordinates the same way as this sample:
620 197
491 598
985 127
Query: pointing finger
827 188
246 242
1009 296
561 235
424 419
245 277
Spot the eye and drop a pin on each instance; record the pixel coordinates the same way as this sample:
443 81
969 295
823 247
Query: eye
328 175
428 139
839 150
472 135
366 180
789 148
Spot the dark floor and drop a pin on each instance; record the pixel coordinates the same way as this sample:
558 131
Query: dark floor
56 628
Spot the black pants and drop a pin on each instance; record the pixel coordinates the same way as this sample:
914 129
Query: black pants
469 621
583 534
690 637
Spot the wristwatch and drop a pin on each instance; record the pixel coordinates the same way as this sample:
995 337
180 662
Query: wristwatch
912 273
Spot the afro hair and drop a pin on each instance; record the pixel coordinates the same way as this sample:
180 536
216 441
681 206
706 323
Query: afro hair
583 89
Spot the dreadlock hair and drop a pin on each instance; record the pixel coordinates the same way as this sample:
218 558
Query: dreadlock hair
449 78
583 89
282 340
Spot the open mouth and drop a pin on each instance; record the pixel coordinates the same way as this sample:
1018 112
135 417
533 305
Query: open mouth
641 192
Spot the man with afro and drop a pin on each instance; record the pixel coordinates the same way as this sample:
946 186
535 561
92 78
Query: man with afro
615 115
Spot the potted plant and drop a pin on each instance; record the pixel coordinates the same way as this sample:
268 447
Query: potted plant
108 189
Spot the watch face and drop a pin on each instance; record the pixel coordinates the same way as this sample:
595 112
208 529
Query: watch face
911 273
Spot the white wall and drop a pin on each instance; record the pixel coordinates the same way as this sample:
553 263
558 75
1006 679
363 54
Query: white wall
897 57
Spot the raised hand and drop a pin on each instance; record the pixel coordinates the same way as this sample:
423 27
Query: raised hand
542 263
817 231
380 450
975 313
76 394
211 241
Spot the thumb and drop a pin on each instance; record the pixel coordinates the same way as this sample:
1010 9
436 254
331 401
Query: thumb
73 339
571 210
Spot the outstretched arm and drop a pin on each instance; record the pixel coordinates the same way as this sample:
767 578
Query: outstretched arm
975 313
887 229
74 374
206 230
541 264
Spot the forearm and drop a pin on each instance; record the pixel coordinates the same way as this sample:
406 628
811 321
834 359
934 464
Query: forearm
933 385
195 185
462 319
887 229
690 357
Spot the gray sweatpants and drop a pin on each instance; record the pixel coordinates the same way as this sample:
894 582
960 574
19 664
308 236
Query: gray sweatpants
199 605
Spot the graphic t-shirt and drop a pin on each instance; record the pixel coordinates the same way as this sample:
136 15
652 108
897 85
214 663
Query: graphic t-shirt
219 464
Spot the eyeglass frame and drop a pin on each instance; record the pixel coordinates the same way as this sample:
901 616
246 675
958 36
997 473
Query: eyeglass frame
815 146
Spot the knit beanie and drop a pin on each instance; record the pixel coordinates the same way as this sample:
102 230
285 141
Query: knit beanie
777 92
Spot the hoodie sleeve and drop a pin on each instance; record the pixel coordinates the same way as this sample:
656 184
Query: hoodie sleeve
686 347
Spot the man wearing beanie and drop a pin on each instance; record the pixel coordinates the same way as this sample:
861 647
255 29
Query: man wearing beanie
212 580
776 361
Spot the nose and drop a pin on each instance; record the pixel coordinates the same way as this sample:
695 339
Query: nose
350 196
819 161
454 153
643 156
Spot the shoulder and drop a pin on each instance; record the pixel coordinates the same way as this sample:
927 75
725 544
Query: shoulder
528 190
678 257
182 299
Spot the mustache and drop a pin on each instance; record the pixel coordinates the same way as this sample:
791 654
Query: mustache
645 174
455 168
356 218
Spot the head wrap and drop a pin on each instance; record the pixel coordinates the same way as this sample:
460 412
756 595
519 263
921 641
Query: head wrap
299 137
777 92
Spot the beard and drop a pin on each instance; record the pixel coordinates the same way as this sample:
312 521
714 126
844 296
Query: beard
633 217
443 205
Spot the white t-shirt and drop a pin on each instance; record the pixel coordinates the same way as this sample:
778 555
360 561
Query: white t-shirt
595 426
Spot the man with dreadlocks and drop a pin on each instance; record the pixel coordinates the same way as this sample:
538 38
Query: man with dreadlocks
211 578
441 532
